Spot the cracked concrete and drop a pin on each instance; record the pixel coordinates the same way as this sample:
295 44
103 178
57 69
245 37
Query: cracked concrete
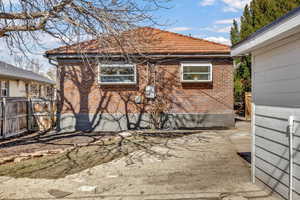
200 166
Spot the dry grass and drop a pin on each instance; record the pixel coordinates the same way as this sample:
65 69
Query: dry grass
85 157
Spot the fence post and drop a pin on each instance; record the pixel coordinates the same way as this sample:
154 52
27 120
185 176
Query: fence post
248 105
2 121
28 114
4 117
52 112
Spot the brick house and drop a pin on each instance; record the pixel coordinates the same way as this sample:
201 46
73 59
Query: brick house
155 79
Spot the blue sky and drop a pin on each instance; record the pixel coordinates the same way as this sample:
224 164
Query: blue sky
207 19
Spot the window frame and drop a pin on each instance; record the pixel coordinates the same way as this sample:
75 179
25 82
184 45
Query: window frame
117 83
36 93
196 64
48 91
6 83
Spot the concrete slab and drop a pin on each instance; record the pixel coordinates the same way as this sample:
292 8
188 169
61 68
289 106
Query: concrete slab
200 166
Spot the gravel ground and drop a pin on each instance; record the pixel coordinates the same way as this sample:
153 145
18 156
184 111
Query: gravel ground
204 165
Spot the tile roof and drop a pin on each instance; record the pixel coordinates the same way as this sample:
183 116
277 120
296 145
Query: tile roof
7 70
144 40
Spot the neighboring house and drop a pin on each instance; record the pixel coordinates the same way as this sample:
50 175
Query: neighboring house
154 78
275 53
17 82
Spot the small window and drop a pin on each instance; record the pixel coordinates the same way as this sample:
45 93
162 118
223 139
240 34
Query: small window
117 74
48 91
4 88
196 72
34 90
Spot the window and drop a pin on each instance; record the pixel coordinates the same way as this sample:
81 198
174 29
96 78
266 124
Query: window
196 72
117 74
48 91
34 90
4 88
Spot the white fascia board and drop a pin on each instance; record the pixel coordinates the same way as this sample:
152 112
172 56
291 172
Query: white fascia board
282 30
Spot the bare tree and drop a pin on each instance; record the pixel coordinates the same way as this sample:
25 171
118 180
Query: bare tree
71 20
28 63
20 61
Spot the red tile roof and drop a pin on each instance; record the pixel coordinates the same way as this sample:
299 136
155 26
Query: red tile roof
144 40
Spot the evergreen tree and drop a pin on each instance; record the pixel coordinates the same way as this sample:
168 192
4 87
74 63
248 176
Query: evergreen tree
263 12
246 23
235 33
255 16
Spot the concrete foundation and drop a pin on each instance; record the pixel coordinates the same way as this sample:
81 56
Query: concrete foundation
120 122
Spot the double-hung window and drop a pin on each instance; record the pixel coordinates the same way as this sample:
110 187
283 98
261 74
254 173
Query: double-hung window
117 74
4 88
196 72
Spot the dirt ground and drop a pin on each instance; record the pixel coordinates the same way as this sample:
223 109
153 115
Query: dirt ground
86 155
47 141
202 165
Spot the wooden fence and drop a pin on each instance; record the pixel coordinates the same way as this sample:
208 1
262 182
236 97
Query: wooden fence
248 105
21 115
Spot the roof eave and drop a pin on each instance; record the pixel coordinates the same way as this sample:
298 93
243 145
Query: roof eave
95 55
279 29
26 79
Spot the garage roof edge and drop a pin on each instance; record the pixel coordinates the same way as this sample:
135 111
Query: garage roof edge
268 27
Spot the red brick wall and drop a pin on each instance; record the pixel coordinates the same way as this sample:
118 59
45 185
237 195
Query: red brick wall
83 94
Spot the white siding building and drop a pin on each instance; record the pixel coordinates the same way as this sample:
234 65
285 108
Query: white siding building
275 51
17 82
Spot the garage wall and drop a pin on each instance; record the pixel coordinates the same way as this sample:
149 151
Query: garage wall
277 73
272 148
276 94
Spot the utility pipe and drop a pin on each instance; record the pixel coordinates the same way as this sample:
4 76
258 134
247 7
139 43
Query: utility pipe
291 142
253 143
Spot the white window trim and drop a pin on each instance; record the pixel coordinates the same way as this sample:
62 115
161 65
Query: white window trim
117 83
185 64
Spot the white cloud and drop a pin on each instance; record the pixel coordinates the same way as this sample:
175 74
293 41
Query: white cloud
175 29
224 21
230 5
207 2
224 29
230 9
235 5
199 36
221 40
217 29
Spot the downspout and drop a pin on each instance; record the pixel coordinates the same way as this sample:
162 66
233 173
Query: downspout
50 61
57 114
291 146
253 131
253 149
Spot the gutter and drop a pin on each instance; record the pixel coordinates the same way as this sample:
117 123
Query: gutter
50 61
13 77
268 27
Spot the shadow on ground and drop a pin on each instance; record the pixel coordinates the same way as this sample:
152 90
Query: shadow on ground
246 156
97 150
